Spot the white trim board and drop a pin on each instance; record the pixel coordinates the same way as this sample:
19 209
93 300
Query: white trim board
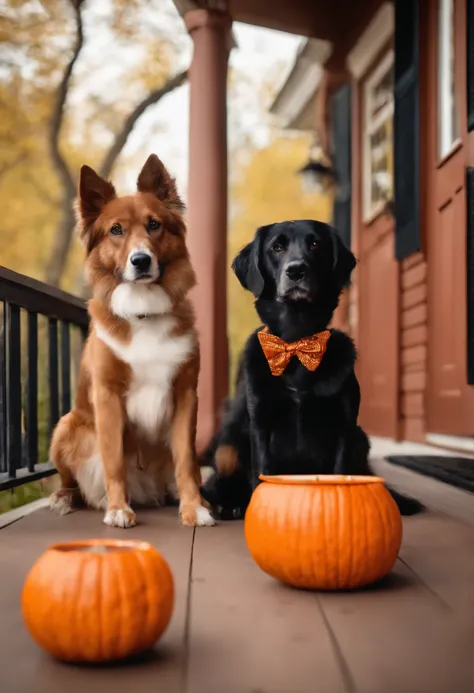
383 447
436 495
13 515
372 41
454 442
302 82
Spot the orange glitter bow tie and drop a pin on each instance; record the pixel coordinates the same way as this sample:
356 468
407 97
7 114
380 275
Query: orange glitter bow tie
309 350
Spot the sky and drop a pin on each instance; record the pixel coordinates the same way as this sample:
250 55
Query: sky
258 53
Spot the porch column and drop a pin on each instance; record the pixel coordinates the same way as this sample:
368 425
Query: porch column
207 196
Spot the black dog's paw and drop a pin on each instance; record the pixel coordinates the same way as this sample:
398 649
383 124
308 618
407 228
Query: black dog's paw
411 506
227 514
406 505
171 501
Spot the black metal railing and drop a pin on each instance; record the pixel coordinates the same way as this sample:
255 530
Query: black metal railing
35 389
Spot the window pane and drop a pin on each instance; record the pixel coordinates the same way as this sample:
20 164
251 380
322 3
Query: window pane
378 136
382 94
448 129
381 149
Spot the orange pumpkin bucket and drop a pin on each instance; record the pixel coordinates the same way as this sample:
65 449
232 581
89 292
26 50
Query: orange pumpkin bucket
98 600
323 532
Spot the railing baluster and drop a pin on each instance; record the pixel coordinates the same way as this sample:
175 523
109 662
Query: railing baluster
84 333
13 343
20 413
32 392
65 368
53 374
3 391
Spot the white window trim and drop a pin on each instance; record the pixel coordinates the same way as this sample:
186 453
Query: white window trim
372 41
370 213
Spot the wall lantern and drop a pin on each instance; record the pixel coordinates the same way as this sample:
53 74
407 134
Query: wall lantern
316 177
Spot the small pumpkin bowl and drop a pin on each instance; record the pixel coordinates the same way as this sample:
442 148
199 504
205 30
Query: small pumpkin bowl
323 532
98 600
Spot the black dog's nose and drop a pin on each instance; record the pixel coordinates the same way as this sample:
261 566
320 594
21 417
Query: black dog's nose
295 271
141 262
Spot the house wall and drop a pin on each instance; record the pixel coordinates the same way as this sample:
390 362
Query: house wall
409 391
432 392
411 367
375 296
414 347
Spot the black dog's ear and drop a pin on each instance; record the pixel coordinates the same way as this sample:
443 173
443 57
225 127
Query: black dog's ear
343 260
246 264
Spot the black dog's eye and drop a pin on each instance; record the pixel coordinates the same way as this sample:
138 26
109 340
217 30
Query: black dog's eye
314 245
116 230
277 247
153 225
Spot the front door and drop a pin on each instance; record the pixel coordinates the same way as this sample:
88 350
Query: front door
450 405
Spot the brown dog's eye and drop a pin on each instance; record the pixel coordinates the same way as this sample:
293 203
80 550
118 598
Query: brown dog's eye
314 245
116 230
153 225
277 247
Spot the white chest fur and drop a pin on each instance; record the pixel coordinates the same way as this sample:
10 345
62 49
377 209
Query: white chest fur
154 355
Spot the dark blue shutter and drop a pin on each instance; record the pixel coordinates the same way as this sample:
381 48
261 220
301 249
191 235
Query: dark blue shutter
341 148
470 274
406 129
470 64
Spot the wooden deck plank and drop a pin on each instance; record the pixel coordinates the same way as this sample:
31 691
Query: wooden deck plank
399 637
23 667
441 551
250 634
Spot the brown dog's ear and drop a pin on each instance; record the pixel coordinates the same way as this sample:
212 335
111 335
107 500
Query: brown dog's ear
155 179
94 193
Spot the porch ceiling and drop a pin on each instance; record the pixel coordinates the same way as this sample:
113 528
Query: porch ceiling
339 22
305 17
312 18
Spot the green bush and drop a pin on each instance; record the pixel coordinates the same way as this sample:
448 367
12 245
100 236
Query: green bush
21 495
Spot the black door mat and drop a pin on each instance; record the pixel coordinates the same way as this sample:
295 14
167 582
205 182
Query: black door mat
457 471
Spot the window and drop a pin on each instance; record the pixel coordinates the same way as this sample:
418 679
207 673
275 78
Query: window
378 138
448 127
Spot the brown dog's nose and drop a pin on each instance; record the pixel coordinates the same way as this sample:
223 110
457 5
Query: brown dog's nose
141 262
295 271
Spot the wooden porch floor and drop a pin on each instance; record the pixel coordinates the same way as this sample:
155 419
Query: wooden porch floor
235 630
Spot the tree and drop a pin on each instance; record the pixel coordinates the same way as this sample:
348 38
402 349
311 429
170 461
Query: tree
67 106
266 189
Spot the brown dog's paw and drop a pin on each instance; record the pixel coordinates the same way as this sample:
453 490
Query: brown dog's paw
62 502
196 517
120 517
227 460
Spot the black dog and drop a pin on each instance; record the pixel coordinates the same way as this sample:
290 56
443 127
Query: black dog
299 421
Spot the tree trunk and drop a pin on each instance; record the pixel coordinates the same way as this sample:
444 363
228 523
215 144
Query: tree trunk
62 242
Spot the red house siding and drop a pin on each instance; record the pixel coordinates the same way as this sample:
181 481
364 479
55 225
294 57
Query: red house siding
414 347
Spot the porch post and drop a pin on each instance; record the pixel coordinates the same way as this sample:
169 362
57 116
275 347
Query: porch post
207 197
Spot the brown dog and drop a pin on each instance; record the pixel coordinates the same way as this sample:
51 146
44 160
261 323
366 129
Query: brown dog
131 436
